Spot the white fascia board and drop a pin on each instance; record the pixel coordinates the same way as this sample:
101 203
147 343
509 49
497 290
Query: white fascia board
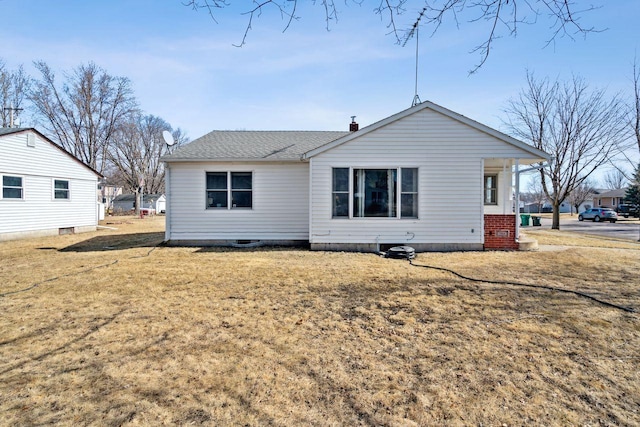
231 160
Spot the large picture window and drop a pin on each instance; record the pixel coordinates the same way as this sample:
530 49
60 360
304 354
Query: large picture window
60 189
229 190
381 193
12 187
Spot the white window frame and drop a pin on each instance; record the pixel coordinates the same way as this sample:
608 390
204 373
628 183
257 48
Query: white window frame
3 187
229 190
494 200
398 194
54 189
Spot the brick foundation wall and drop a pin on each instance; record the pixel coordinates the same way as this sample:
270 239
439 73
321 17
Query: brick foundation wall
500 232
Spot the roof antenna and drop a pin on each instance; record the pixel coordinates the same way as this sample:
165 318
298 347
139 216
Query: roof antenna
416 98
416 30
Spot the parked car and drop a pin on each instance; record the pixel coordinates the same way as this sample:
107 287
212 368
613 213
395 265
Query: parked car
599 214
627 210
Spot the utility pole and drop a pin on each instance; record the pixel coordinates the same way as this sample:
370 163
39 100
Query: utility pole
12 110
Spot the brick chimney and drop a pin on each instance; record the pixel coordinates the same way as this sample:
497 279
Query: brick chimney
353 126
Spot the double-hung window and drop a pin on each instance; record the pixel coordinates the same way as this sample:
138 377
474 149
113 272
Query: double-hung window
12 187
491 189
61 189
381 193
229 190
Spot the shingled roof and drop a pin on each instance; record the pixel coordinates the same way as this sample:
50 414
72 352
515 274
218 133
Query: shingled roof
252 145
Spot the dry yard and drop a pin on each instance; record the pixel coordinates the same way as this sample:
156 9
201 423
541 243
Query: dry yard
108 329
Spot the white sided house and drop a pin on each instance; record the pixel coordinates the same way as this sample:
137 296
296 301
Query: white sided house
45 190
425 177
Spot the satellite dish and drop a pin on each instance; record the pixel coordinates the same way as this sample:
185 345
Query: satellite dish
168 138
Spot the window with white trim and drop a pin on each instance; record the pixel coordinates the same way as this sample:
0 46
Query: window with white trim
61 189
491 189
381 193
409 193
340 192
12 187
229 190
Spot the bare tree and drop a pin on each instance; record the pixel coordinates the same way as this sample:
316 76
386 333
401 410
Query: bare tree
580 194
626 162
85 112
635 121
136 151
581 129
402 17
14 86
614 179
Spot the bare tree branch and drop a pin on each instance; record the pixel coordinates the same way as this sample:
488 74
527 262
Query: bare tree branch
635 121
499 14
614 180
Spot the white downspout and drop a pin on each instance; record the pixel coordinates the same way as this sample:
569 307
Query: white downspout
310 175
167 208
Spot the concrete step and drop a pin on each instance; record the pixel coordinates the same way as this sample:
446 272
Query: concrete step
527 243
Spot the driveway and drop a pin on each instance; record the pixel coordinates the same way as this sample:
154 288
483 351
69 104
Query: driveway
624 228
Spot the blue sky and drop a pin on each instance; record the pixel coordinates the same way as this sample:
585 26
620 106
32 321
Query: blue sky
185 69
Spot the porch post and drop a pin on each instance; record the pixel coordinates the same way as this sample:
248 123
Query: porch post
506 185
517 201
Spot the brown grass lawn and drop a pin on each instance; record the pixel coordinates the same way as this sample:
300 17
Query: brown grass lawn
106 328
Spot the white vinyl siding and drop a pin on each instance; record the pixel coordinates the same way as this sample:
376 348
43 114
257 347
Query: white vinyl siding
449 155
280 203
40 166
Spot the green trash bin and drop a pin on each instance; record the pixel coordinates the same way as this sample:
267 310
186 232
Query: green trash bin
536 221
524 220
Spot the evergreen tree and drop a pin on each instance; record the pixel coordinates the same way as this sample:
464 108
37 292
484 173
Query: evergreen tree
632 195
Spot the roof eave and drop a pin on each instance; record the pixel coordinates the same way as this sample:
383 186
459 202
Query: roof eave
229 160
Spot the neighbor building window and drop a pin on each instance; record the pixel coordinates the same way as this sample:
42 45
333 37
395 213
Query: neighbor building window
60 189
12 187
228 190
375 193
491 189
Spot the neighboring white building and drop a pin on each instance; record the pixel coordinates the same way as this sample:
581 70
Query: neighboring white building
107 193
127 203
45 190
426 176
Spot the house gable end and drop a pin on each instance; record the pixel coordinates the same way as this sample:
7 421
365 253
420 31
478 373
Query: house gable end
527 150
8 132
